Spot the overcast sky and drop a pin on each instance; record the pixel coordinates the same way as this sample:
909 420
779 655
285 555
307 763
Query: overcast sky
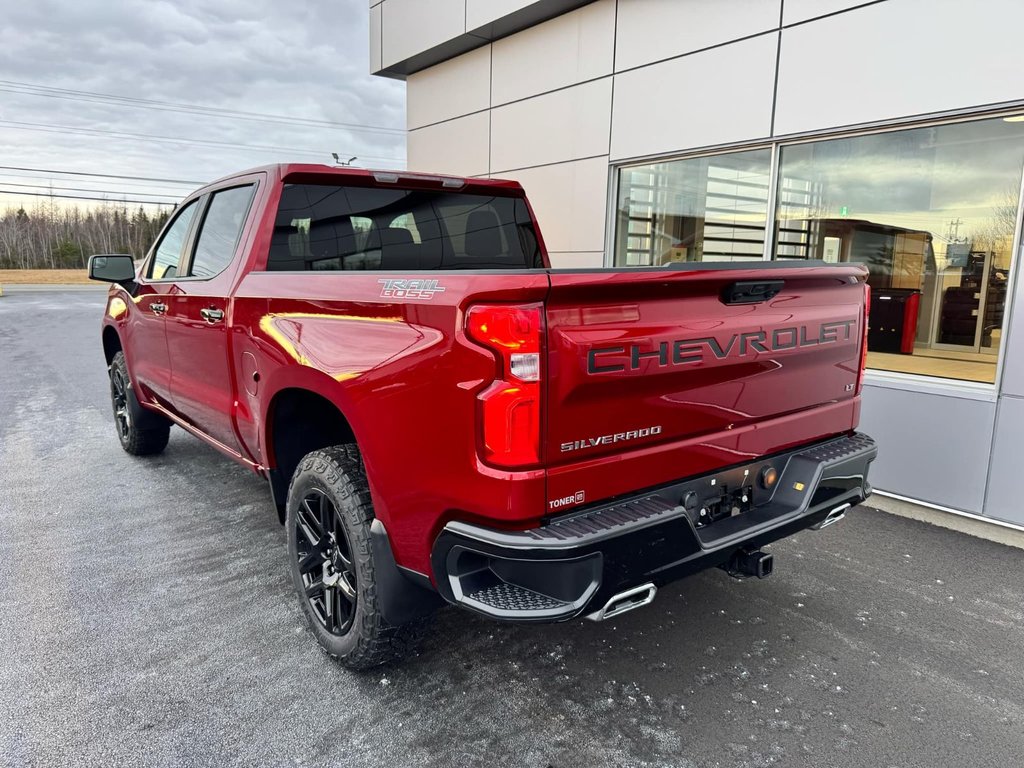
301 58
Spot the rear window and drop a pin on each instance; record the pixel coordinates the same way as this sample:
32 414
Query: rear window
330 227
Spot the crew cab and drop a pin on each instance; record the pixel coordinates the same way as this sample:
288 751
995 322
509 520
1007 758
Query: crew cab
444 418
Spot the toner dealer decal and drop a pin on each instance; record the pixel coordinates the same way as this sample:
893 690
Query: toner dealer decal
568 501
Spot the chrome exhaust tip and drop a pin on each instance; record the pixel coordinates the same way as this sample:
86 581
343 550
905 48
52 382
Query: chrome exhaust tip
832 517
637 597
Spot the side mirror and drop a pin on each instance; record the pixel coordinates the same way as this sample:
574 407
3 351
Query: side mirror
112 268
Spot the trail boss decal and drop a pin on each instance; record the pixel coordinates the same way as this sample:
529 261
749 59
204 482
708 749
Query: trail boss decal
409 289
691 351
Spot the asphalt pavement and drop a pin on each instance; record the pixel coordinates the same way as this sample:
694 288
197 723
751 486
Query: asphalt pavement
147 619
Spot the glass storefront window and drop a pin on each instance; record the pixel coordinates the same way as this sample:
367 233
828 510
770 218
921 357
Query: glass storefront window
699 209
932 212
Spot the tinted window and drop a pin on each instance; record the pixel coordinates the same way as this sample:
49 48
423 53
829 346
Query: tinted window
168 253
932 214
328 227
221 227
711 208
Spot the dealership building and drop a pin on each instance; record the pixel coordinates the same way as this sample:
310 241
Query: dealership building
889 133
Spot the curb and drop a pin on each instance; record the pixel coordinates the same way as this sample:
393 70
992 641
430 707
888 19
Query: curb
993 530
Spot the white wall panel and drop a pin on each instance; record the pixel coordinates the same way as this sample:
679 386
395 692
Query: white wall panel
587 260
931 447
451 89
714 97
565 125
569 200
1004 496
651 30
375 57
480 12
458 146
568 49
800 10
414 26
896 59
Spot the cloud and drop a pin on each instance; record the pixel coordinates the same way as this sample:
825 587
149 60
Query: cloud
304 59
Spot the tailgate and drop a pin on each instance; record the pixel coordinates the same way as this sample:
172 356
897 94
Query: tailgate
689 359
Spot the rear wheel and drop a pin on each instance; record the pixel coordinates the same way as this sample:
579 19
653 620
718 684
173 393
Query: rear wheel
329 579
134 439
328 522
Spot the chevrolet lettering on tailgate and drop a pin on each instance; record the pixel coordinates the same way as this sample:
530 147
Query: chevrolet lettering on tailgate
690 351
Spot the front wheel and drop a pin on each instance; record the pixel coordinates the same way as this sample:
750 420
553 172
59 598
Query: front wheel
328 522
135 439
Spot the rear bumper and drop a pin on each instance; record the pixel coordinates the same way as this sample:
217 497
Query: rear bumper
575 563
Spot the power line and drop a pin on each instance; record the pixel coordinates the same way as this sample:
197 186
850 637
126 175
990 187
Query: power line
86 189
77 130
30 89
100 175
124 186
80 197
81 130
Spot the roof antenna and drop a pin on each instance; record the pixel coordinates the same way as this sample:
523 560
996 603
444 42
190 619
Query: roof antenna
339 161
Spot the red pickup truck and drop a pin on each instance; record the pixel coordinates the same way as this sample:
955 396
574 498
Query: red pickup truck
442 417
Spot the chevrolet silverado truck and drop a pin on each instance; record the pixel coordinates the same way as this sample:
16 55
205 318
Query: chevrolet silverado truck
444 418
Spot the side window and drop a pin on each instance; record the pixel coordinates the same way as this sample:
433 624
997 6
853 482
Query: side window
220 230
168 253
316 229
362 227
407 221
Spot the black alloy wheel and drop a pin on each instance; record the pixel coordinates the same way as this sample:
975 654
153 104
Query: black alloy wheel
325 562
119 399
141 433
328 517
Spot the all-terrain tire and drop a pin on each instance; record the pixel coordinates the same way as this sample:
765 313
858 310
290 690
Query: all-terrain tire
368 640
135 439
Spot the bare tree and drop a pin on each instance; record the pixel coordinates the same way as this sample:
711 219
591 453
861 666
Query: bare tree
996 233
50 236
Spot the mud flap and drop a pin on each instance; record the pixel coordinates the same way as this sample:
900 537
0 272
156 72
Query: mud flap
401 599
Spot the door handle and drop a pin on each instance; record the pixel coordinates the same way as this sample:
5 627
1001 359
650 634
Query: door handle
751 291
211 315
158 309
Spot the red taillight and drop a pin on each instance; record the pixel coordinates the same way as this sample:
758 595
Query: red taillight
864 337
510 407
